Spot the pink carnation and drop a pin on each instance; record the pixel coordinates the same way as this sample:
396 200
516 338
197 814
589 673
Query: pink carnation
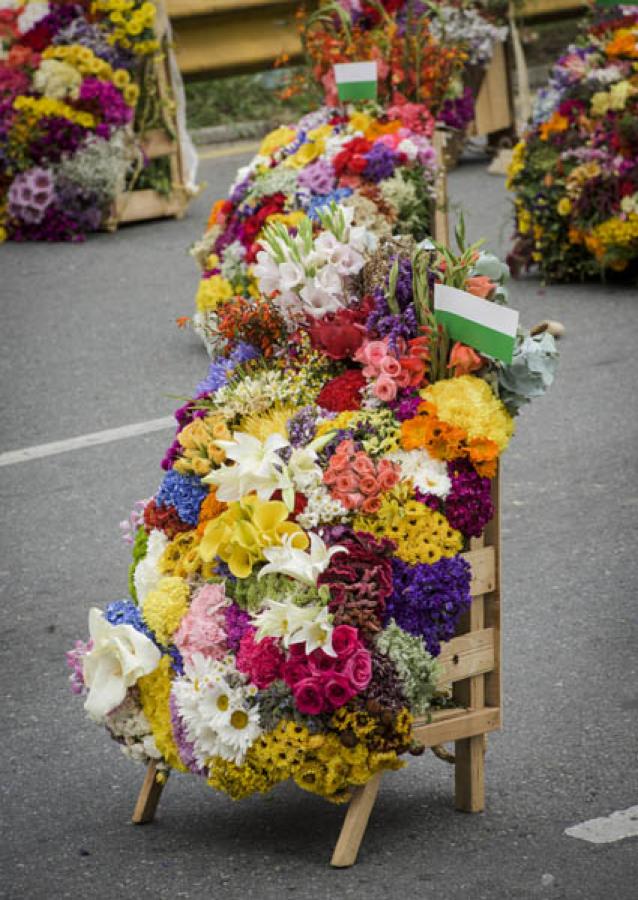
202 628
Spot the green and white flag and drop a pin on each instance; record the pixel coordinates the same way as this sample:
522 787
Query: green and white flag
481 324
356 80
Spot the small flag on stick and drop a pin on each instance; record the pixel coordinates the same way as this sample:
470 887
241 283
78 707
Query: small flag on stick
356 80
481 324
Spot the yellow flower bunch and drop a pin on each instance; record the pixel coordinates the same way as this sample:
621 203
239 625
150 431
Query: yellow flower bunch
564 206
45 106
277 139
517 164
421 535
130 20
469 403
181 558
165 607
155 691
371 731
248 526
290 220
200 450
524 219
616 98
213 291
307 153
617 232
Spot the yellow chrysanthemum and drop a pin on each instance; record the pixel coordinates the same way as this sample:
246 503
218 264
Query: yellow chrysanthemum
165 607
181 558
277 139
211 292
469 403
46 106
155 691
564 206
275 421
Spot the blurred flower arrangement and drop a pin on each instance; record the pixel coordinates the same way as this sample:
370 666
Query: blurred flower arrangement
425 51
575 173
301 564
76 83
379 165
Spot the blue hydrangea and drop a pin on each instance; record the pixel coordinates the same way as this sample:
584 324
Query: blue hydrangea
318 203
125 612
220 369
185 492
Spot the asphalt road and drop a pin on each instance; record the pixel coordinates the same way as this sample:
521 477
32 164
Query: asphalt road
88 342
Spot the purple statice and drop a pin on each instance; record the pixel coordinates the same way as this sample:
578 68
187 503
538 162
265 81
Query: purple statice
236 624
319 177
30 194
381 164
75 662
321 202
221 369
468 506
302 426
185 492
458 113
384 323
427 600
55 138
239 191
105 101
185 748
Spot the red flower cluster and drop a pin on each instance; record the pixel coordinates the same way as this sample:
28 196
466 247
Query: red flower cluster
262 661
351 160
164 518
339 335
343 392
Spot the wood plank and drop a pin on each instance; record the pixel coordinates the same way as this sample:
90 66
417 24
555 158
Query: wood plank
467 724
148 797
467 656
355 823
530 9
158 143
441 213
493 110
483 562
469 774
493 598
137 206
185 9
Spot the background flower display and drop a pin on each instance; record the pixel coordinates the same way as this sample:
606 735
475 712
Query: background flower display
379 164
426 52
575 173
76 85
298 569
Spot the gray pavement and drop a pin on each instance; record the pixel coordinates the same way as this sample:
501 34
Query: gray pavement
88 342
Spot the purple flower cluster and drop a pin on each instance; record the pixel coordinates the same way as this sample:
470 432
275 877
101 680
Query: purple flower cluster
54 138
184 415
30 194
468 506
185 747
221 369
61 16
383 322
236 624
458 113
318 177
79 31
382 162
185 492
104 100
427 600
75 662
301 427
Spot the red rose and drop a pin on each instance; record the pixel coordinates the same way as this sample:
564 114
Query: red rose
295 672
320 663
343 392
358 164
309 698
345 640
338 690
37 37
262 661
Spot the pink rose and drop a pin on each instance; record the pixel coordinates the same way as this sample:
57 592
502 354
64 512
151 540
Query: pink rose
371 354
387 480
385 388
309 697
351 501
358 670
371 505
391 366
362 464
368 485
320 663
346 483
295 672
345 640
338 690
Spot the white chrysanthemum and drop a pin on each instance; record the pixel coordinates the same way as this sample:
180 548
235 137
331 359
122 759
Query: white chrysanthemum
238 732
33 12
427 474
147 573
321 509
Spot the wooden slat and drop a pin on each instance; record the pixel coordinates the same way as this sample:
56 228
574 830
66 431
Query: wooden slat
467 656
186 9
355 823
136 206
465 725
533 8
157 143
483 562
493 110
148 798
493 597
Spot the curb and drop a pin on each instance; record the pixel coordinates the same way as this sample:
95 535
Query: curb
231 132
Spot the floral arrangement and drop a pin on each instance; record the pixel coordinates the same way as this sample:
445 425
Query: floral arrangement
380 165
425 51
575 173
300 565
75 82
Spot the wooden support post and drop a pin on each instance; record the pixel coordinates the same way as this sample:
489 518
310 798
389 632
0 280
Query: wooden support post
441 214
355 823
148 797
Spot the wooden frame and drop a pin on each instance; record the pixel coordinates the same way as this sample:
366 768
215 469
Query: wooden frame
471 663
141 205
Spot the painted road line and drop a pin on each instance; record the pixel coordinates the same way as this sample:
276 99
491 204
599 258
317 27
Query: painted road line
85 440
616 827
232 150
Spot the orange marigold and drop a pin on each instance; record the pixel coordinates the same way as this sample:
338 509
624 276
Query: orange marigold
210 509
443 441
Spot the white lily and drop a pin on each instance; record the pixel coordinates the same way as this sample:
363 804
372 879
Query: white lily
266 271
257 467
281 619
297 564
316 633
119 657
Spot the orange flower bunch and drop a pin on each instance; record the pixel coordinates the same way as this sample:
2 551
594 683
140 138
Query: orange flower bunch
210 509
447 442
254 321
554 125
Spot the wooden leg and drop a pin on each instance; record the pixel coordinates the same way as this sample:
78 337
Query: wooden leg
355 823
148 797
469 774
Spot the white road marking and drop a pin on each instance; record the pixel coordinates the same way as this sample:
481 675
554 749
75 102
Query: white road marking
616 827
85 440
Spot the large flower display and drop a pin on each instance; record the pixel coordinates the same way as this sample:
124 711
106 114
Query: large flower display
575 173
426 52
299 567
70 78
380 165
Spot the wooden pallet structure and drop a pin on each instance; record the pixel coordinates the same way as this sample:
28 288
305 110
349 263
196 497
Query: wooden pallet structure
144 204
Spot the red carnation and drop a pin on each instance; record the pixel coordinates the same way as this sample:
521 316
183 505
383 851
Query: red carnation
343 392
